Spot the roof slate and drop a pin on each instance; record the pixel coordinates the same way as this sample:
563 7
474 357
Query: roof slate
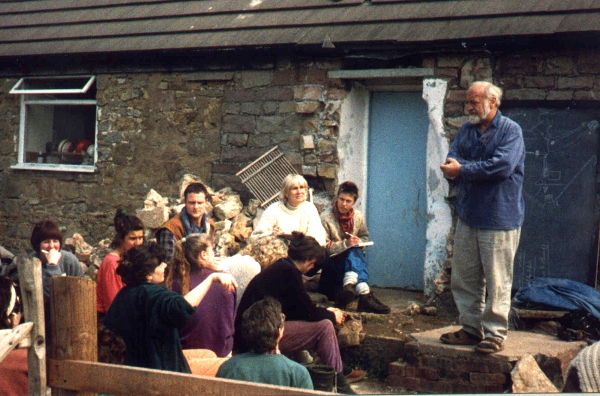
51 27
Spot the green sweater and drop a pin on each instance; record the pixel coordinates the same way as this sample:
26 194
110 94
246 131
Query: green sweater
266 368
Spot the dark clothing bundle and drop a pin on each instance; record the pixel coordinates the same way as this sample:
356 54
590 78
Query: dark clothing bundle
282 281
146 317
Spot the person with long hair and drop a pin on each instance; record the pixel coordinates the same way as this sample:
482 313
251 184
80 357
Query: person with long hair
146 315
46 240
13 369
211 326
307 326
129 232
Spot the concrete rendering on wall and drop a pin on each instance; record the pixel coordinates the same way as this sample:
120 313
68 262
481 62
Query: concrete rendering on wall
353 158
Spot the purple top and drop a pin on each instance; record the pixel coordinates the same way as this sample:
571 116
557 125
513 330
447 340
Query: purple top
212 325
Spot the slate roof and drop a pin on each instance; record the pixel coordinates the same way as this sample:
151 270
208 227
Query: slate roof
51 27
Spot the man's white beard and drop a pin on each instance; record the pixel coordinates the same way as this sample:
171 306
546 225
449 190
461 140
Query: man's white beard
476 119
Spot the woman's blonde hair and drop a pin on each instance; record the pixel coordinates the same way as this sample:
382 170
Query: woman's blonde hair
266 250
185 258
288 184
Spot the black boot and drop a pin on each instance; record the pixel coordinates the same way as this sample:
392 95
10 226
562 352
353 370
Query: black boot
343 386
370 303
345 296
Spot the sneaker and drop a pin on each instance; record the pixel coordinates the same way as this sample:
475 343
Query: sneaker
370 303
345 296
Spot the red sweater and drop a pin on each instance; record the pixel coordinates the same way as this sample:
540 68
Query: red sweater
109 283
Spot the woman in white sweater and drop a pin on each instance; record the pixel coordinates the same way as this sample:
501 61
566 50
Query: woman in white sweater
292 213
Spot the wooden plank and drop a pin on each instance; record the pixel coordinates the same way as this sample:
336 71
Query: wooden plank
125 380
73 321
14 338
381 73
30 281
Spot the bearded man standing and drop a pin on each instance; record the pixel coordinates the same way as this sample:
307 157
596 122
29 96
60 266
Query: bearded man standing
486 160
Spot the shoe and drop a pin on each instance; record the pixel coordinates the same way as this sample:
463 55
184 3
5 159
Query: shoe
345 296
370 303
356 376
343 386
460 337
490 345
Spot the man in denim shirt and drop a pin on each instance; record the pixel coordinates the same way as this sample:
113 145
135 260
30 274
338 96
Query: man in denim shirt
486 160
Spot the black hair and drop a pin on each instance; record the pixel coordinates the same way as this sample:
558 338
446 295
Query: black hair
350 188
139 262
195 188
43 230
303 247
124 224
260 325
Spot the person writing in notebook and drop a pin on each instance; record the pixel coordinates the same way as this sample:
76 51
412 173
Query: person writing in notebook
345 273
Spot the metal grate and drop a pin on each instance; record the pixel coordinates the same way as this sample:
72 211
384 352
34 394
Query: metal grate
264 176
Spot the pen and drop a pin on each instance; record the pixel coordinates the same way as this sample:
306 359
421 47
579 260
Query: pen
44 251
350 235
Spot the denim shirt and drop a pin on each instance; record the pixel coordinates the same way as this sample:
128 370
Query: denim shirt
490 187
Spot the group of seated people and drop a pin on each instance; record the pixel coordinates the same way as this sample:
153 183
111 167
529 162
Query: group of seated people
196 313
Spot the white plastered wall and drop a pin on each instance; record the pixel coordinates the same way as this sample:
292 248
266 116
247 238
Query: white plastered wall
352 154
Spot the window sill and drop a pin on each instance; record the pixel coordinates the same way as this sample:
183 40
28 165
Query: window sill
55 167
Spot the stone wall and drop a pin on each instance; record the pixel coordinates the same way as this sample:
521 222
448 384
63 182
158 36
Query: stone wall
155 127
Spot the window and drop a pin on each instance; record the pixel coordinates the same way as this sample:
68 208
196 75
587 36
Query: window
58 123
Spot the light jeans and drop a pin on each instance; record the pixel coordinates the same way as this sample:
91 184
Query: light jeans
483 262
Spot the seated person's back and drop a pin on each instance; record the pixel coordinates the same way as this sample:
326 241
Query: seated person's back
262 326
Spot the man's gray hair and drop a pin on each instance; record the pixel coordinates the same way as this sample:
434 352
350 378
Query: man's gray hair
491 91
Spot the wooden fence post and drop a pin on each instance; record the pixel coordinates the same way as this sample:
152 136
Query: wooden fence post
73 322
32 293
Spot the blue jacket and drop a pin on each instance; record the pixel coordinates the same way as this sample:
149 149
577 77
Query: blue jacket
490 187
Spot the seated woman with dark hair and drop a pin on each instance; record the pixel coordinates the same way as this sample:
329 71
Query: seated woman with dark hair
307 326
46 240
262 329
146 315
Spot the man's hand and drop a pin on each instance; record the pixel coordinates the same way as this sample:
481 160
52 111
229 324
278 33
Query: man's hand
451 168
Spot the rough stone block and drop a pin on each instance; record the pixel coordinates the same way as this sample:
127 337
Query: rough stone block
252 207
510 82
436 386
326 146
284 77
560 95
336 94
223 225
251 79
410 383
234 95
240 155
562 65
154 199
308 93
397 368
429 373
270 124
450 61
270 107
478 69
538 82
307 107
231 108
575 82
456 95
589 61
447 72
525 94
237 139
153 217
239 124
274 93
587 95
527 377
395 380
287 107
318 76
228 210
308 142
252 108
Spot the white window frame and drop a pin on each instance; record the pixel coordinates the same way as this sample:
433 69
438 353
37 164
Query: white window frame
21 164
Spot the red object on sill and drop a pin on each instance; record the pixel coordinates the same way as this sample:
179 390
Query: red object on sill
82 146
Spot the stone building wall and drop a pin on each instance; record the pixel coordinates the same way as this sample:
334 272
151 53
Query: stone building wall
155 127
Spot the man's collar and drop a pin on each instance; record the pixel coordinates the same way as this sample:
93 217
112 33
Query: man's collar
496 119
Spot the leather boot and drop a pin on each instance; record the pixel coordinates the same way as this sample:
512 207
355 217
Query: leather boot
343 386
370 303
345 296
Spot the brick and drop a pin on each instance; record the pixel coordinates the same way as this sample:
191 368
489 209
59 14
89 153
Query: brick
587 95
251 79
518 65
336 94
270 124
287 107
428 373
270 107
510 82
231 95
397 368
589 62
449 375
307 107
462 387
394 380
252 108
494 389
436 387
496 378
479 379
237 139
410 383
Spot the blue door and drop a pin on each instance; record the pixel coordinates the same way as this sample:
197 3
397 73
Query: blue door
396 194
